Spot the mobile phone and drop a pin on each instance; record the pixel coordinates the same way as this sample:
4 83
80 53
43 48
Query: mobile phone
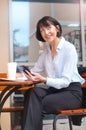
25 69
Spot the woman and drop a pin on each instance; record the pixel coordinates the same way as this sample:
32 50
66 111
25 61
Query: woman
61 87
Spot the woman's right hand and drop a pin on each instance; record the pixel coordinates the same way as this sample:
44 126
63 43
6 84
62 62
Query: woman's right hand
36 77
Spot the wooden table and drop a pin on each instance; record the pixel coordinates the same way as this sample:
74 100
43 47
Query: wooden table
10 87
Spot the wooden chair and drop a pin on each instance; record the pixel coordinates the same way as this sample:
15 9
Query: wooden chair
68 114
71 112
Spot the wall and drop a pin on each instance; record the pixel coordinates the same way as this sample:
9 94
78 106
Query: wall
3 35
5 117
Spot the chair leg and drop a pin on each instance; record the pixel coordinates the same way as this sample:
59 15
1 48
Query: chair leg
55 120
70 123
57 117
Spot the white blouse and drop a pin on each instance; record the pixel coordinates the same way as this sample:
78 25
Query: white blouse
62 70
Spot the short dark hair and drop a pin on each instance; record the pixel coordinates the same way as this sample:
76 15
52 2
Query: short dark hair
46 21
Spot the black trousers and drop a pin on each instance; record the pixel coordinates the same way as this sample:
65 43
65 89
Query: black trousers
39 100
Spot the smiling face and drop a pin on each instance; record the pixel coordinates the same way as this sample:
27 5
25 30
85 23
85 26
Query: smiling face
48 29
49 33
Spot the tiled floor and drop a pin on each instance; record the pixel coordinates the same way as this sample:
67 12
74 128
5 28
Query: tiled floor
62 124
64 127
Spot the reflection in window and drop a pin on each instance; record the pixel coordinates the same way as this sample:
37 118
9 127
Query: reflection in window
85 25
20 23
70 21
24 27
75 38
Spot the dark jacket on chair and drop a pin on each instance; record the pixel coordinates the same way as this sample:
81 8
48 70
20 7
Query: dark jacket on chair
77 119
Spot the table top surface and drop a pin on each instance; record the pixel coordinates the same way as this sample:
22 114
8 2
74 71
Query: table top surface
5 81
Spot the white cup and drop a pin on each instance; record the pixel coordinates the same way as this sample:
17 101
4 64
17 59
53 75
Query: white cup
11 66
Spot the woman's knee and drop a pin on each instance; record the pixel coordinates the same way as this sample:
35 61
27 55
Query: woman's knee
40 92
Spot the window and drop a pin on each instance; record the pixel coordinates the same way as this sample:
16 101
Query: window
20 28
25 14
84 26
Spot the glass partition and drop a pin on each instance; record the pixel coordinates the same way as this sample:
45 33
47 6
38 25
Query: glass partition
26 13
85 25
20 27
69 17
